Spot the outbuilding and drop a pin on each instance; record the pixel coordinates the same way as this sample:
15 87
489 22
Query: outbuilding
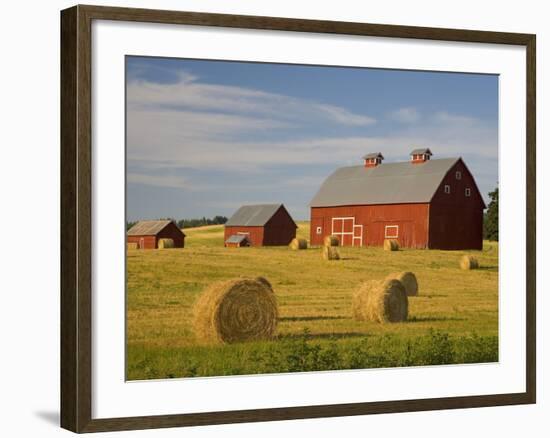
237 241
263 225
422 203
146 234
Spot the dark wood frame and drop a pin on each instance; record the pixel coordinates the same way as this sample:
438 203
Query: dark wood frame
76 321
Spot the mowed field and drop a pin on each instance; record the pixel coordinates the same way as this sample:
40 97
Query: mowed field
453 320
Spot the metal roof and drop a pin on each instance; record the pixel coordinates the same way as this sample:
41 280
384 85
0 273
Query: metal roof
390 183
421 151
373 155
253 215
148 228
237 238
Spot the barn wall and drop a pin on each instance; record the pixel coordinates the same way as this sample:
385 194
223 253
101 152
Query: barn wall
171 231
412 220
255 234
456 221
149 242
280 229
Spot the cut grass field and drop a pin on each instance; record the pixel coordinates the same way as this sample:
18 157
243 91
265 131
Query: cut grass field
453 320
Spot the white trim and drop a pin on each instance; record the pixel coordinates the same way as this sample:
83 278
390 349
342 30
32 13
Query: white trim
319 230
386 232
245 233
354 238
447 189
468 191
341 234
458 174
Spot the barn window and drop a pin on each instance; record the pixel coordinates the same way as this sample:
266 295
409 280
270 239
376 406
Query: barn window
391 231
458 174
244 233
468 191
447 188
319 230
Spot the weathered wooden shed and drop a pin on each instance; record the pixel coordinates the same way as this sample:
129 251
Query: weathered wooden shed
263 225
237 241
423 203
146 234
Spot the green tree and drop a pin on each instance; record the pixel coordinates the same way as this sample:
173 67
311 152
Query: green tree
490 230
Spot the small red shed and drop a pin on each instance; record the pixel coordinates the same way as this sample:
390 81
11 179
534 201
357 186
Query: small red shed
146 234
423 203
263 225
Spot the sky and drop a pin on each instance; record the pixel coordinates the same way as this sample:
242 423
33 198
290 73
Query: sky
204 137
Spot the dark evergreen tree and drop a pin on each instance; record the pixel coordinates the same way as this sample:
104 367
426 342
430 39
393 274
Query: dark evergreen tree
490 230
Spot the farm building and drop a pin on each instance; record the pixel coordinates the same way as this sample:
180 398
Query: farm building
146 234
263 225
423 203
237 241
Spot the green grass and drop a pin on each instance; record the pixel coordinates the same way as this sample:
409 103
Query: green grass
454 320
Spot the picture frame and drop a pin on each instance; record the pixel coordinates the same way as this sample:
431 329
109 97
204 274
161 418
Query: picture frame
77 170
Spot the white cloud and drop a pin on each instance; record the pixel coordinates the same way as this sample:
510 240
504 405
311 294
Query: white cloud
405 115
189 94
175 143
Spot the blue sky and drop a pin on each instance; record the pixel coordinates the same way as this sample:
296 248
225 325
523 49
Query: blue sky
204 137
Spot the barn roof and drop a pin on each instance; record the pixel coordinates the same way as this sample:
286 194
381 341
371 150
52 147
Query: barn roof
391 183
253 215
236 238
148 228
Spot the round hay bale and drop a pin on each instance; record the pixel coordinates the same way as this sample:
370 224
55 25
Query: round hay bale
409 281
165 243
381 301
297 244
469 262
331 241
237 310
330 253
265 281
391 245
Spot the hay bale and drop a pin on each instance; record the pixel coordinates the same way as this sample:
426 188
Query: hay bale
331 241
469 262
391 245
409 281
132 245
265 281
236 311
381 301
330 253
297 244
165 243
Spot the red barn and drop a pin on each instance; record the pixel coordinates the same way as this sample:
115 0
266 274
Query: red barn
263 225
146 234
423 203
